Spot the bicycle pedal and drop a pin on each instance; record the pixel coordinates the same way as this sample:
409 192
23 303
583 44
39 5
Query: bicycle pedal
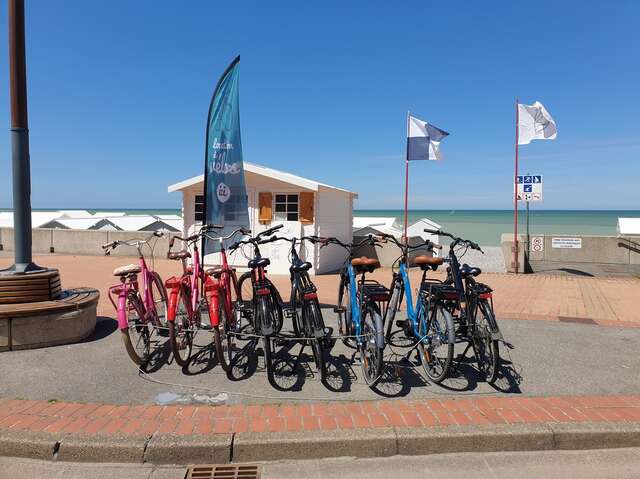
206 327
508 344
400 323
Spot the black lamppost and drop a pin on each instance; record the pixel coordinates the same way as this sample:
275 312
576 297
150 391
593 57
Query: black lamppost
20 142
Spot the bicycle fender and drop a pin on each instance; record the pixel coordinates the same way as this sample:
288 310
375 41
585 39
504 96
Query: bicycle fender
172 304
122 312
214 303
379 329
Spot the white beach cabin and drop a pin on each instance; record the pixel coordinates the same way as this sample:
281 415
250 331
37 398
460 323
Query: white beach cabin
303 206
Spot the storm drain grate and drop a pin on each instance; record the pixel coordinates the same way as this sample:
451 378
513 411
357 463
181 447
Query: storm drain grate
226 471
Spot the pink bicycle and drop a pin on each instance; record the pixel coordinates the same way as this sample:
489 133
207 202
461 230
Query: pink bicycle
141 311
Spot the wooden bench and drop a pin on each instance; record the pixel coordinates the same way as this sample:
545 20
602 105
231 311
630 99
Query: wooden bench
69 318
29 288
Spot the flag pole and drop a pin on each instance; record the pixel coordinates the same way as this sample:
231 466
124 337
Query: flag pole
515 201
406 184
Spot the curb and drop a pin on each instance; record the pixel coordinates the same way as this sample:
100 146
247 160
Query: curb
374 442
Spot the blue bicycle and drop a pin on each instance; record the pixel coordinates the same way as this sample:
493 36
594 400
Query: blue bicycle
429 322
358 309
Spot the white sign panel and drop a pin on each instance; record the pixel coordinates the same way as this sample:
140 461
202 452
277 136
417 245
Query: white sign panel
567 243
529 187
537 244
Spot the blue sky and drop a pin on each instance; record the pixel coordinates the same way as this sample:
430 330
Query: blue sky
119 91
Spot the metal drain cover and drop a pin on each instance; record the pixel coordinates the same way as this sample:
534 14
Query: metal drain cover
224 471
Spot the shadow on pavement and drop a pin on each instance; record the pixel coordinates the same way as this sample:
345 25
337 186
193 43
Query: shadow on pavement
105 326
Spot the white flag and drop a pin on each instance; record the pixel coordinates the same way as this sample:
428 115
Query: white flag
535 123
423 140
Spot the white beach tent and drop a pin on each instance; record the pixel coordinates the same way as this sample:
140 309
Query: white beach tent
145 223
81 224
417 229
628 226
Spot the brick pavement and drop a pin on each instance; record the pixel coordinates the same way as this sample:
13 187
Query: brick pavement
144 420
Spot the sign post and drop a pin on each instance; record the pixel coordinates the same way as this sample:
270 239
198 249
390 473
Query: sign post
528 189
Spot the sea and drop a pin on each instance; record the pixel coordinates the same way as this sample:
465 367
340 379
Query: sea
482 226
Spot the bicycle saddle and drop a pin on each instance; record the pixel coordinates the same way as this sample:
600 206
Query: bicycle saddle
425 261
216 272
259 263
178 254
126 270
300 267
364 263
466 270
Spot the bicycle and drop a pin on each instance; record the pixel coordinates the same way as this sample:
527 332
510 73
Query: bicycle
224 312
306 315
428 322
480 331
358 309
140 312
265 303
186 296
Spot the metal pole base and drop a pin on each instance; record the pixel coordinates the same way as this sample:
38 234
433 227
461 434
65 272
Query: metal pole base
23 268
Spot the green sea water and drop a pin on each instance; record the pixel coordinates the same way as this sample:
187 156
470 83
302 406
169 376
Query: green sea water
482 226
486 226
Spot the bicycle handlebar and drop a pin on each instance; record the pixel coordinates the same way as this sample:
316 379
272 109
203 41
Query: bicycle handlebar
131 242
429 244
456 239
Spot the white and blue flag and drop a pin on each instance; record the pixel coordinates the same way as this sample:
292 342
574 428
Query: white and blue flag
423 140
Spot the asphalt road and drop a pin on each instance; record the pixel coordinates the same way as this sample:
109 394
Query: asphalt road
596 464
550 358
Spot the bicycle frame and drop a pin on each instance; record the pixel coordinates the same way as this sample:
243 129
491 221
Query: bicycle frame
355 301
129 284
222 287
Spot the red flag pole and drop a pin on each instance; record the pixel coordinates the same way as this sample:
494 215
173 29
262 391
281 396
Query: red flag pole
406 185
515 201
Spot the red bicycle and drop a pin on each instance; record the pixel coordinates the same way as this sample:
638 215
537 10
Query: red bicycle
224 301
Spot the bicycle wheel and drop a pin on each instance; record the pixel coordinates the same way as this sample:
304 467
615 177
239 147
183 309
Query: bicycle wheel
371 355
276 302
344 316
180 333
137 337
245 288
264 320
436 341
296 312
159 295
313 317
222 340
486 348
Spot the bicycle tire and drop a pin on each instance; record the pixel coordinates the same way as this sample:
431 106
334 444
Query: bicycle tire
180 336
483 344
222 342
245 289
159 316
263 315
134 304
314 316
430 329
296 312
371 355
344 318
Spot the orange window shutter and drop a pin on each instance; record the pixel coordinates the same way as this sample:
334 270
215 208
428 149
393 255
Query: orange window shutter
306 207
265 203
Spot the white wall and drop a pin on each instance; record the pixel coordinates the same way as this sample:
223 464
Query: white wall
333 217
